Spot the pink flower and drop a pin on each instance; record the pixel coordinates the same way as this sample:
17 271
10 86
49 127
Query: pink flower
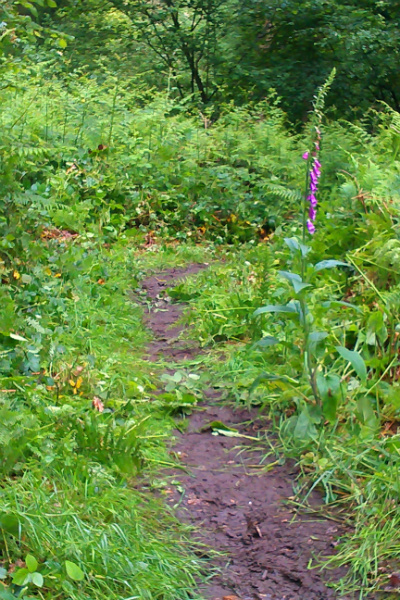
306 155
310 226
312 213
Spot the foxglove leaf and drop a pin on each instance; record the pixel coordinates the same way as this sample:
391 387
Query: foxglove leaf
356 361
330 264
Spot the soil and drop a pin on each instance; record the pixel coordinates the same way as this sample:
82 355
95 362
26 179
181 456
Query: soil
238 508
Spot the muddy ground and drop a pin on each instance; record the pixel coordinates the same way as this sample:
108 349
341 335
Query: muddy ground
238 508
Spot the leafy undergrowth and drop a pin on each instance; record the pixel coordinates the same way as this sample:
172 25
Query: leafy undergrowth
349 449
77 428
96 182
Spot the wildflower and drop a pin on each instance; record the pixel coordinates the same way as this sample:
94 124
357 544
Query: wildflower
315 174
306 155
310 226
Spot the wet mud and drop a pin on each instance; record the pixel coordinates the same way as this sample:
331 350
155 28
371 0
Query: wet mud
240 505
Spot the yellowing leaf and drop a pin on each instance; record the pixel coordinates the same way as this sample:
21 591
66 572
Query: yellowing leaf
79 382
47 271
16 275
72 382
57 275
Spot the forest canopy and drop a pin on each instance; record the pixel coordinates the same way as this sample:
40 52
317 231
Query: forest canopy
230 50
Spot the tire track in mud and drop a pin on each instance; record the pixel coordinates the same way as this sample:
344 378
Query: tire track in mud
238 508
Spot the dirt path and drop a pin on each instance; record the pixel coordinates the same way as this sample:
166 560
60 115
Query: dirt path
238 508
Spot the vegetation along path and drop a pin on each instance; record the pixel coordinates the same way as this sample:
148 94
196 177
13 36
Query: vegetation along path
237 499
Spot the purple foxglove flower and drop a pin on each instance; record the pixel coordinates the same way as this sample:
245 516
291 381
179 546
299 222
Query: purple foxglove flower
312 200
312 213
306 155
310 227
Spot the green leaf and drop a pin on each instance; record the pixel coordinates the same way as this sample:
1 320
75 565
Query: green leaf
340 303
271 377
3 573
317 336
62 42
73 571
293 308
20 577
6 595
305 428
376 329
275 308
9 523
31 563
37 579
330 264
356 361
295 246
290 276
267 341
329 390
51 4
296 281
366 412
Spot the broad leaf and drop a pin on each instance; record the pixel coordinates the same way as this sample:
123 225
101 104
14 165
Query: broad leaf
31 563
290 276
329 390
299 286
366 413
271 377
20 577
276 308
267 341
37 579
305 428
340 303
295 246
317 336
376 329
73 571
293 308
296 281
356 361
3 573
6 595
330 264
9 523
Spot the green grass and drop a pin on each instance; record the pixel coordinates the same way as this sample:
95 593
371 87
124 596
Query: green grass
72 476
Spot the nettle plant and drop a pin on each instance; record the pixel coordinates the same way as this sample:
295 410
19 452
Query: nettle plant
325 384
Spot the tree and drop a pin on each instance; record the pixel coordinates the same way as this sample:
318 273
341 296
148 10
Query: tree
18 31
185 35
